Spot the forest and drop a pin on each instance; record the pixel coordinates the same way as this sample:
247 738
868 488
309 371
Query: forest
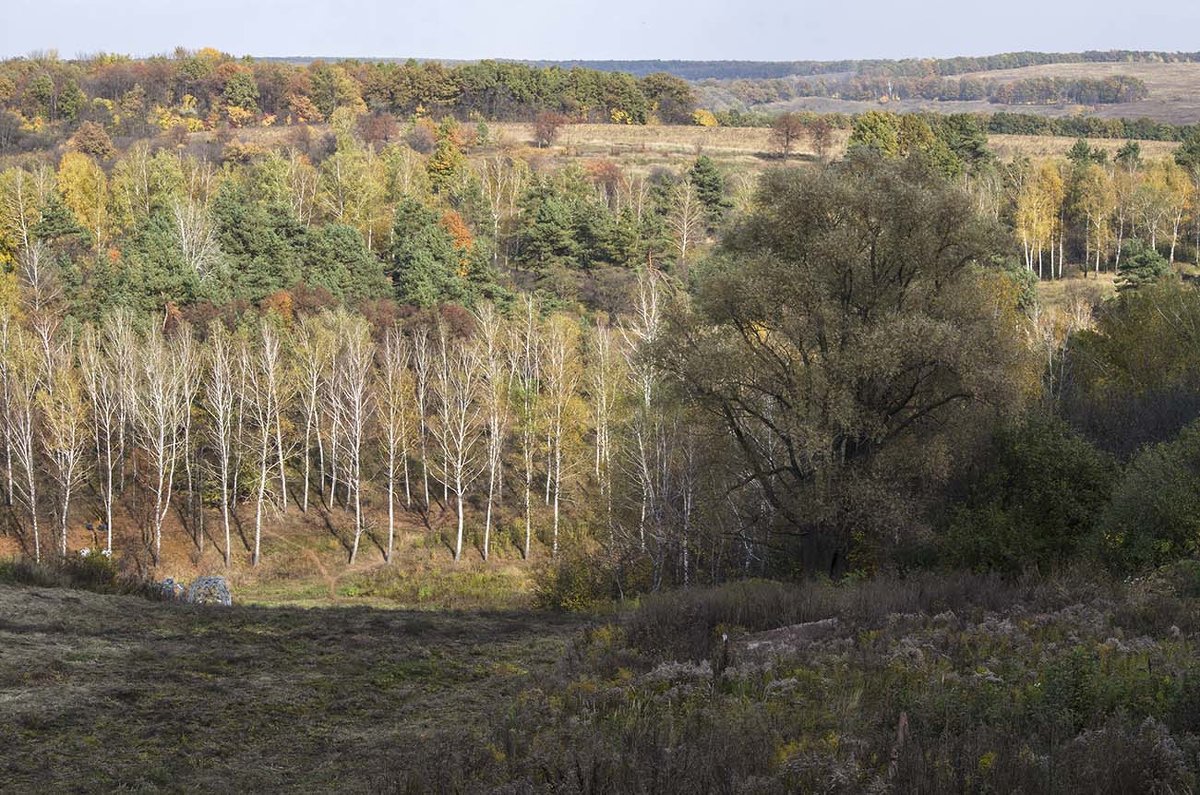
375 327
42 95
1113 90
548 303
898 421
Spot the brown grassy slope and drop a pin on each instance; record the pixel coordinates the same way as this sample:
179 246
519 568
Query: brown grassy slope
304 557
104 693
643 148
1042 146
1174 94
1174 87
1059 294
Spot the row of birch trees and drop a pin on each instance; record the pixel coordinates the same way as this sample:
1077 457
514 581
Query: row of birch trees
521 421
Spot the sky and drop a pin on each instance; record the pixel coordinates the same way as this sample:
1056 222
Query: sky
597 29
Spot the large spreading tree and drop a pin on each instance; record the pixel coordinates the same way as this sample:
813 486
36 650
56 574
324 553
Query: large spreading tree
848 336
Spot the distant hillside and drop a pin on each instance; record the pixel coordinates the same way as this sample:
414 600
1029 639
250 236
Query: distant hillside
906 67
1164 91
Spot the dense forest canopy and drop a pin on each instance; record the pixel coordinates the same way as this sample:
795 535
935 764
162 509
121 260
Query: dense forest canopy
690 375
206 89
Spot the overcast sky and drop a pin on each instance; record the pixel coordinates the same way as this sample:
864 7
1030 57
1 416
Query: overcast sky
597 29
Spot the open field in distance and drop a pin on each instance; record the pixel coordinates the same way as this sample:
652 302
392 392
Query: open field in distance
1174 94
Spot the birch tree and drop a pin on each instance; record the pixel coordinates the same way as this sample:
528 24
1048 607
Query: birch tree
64 439
158 412
220 388
604 390
99 371
42 296
331 399
354 371
121 346
195 234
395 397
494 393
502 180
422 361
457 424
525 353
263 365
561 379
314 356
22 364
641 331
22 195
686 223
6 325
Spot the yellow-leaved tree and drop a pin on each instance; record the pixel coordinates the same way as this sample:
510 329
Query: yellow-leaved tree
84 188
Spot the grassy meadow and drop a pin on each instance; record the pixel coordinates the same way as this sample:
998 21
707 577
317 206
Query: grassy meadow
936 684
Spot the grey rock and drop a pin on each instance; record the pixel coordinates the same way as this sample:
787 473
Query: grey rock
209 591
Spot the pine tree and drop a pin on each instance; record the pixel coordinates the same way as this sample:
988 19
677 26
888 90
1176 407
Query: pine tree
710 188
1140 265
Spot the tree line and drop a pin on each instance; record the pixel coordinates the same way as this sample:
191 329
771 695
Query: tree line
1109 90
1085 208
41 95
1000 123
497 420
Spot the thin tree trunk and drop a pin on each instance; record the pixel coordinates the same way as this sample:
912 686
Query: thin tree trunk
459 542
258 504
391 501
307 460
487 522
283 495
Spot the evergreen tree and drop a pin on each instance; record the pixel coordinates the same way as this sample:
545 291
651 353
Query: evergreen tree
422 259
1188 154
710 187
1081 153
548 236
337 258
59 227
264 243
1129 156
1140 265
157 271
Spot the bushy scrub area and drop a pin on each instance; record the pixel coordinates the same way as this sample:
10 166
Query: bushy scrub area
96 573
926 684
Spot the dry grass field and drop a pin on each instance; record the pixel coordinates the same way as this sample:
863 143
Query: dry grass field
102 693
740 150
1174 94
1042 146
1174 87
751 147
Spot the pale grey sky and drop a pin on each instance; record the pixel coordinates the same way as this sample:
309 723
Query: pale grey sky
597 29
